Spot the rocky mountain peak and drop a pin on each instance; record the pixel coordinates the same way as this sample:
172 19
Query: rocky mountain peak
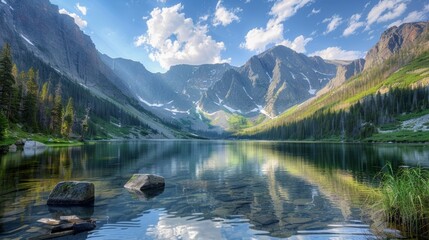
392 40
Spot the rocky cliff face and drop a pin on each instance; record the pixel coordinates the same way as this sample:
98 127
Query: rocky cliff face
192 81
345 70
392 40
269 83
37 26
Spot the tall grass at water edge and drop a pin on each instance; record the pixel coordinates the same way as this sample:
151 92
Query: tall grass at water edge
402 201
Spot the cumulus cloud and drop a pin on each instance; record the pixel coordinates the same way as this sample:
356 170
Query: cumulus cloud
224 16
354 25
298 44
414 16
81 9
173 39
77 19
336 53
334 22
386 10
257 39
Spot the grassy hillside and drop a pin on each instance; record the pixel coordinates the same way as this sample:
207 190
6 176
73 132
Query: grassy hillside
408 68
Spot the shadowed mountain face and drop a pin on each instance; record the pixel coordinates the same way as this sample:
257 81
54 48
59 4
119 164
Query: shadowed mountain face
392 40
37 27
51 42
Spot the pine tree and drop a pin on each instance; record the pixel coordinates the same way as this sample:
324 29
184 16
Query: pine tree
85 124
7 80
3 125
68 119
44 107
30 102
56 113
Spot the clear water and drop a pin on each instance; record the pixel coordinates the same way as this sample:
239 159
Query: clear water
214 189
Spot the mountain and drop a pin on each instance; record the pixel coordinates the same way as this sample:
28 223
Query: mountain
268 83
192 81
171 96
40 37
359 105
392 40
345 70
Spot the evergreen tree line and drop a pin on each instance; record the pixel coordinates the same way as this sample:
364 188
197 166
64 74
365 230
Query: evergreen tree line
42 105
359 121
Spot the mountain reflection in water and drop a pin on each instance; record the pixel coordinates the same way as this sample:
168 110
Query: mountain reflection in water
214 189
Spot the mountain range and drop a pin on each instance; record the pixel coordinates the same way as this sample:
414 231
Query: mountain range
200 99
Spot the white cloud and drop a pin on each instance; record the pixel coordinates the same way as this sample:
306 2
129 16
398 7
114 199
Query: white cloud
336 53
334 22
163 1
224 16
367 5
313 12
77 19
81 9
298 44
386 10
204 18
354 24
173 39
414 16
284 9
257 39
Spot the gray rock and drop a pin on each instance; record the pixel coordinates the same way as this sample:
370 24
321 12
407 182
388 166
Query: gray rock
142 182
34 145
72 193
12 148
20 142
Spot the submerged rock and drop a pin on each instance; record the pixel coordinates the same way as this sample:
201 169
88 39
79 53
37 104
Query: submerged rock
72 193
141 182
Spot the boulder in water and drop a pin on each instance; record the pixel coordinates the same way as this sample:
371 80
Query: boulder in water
141 182
72 193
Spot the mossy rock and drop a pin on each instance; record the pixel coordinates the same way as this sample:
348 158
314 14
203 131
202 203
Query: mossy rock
72 193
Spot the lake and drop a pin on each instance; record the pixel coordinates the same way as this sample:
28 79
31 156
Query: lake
214 189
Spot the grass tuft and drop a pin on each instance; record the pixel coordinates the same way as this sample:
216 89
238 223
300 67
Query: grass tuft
404 200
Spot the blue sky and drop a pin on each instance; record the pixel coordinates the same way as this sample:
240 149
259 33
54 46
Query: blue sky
162 33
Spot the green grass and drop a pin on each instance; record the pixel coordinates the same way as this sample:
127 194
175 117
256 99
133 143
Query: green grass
402 136
403 200
17 133
408 116
390 126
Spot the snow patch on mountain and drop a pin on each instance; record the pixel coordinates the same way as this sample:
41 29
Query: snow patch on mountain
311 90
232 109
247 93
326 74
271 79
148 103
27 40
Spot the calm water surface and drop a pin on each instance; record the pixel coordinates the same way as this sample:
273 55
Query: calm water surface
214 189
